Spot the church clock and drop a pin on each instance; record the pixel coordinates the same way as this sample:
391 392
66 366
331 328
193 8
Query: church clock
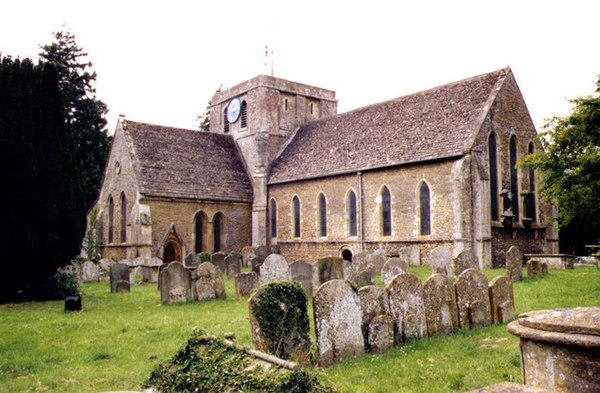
233 110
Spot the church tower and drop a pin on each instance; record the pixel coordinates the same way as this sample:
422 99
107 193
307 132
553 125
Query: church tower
261 114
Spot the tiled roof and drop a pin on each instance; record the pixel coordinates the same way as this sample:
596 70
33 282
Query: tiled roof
437 123
173 162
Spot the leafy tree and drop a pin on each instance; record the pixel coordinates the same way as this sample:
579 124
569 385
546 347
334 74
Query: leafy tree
570 168
204 119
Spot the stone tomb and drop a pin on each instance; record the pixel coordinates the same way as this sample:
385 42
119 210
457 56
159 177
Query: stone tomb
407 306
514 264
331 268
502 300
233 265
440 305
392 267
373 302
473 299
338 319
275 268
209 282
463 261
175 284
218 259
246 283
441 261
119 278
302 272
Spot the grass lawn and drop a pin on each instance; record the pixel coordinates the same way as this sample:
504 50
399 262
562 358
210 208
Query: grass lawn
119 338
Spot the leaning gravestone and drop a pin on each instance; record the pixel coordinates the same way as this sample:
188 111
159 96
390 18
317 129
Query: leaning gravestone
392 267
233 265
410 254
256 263
330 269
380 336
209 282
279 321
407 306
302 272
275 268
90 272
473 299
119 278
192 259
502 300
440 305
218 259
248 253
379 258
514 264
373 302
441 261
176 284
463 261
246 283
337 322
534 268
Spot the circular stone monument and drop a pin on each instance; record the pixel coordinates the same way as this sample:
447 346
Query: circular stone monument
560 349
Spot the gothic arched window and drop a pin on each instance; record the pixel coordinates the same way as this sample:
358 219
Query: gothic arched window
352 222
531 209
123 218
218 232
111 219
386 212
514 178
322 215
273 218
493 160
425 204
296 207
199 230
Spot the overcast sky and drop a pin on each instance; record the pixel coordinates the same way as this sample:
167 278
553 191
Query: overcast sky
161 61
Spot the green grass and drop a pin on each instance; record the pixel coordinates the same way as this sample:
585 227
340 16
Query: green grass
119 338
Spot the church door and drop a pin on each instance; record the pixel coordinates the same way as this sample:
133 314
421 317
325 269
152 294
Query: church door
172 253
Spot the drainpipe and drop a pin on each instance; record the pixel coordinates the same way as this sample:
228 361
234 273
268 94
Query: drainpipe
361 234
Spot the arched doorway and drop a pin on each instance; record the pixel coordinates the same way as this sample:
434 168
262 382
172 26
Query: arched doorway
347 255
172 253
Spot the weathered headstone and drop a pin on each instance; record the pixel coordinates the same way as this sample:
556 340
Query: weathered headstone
330 269
105 265
441 261
362 261
262 252
544 268
373 302
218 259
302 272
119 278
90 272
410 254
473 299
379 258
256 263
502 300
514 264
246 283
274 268
209 282
534 268
380 336
364 278
176 284
192 259
407 306
248 253
463 261
440 305
392 267
279 321
233 265
337 322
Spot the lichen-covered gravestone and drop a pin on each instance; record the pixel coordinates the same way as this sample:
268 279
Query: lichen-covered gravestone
192 259
473 299
90 272
119 278
441 261
514 264
362 261
218 259
209 282
379 258
331 268
440 305
373 302
463 261
364 278
248 253
380 334
534 268
246 283
302 272
275 268
233 265
176 284
279 321
392 267
407 306
262 252
410 254
256 263
502 300
337 322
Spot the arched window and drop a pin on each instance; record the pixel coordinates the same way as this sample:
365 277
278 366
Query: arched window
273 218
425 205
352 222
386 212
244 114
493 159
322 215
225 122
111 219
296 207
123 218
218 232
514 178
199 230
531 209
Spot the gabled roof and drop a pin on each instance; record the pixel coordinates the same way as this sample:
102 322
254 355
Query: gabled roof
174 162
437 123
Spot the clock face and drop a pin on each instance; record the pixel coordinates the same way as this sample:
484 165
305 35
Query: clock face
233 110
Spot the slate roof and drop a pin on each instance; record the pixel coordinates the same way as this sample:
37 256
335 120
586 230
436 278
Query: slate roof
437 123
173 162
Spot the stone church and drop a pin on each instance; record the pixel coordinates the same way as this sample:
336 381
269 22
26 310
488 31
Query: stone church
280 166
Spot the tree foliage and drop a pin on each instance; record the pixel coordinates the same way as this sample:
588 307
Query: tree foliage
570 168
204 119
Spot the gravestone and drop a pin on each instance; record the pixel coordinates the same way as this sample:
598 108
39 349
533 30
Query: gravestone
119 278
218 259
275 249
279 321
192 259
330 269
73 303
262 252
502 300
544 268
176 284
233 265
302 272
373 302
380 334
148 274
248 253
90 272
337 322
473 299
407 306
441 261
275 268
440 305
246 283
364 278
463 261
514 264
349 271
256 263
410 254
209 282
105 265
379 257
362 261
392 267
534 268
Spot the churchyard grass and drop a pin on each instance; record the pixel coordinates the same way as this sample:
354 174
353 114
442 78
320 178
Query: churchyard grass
119 338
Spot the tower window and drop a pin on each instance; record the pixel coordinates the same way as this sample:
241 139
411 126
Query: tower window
244 114
225 122
322 215
386 212
352 222
296 207
425 204
493 160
